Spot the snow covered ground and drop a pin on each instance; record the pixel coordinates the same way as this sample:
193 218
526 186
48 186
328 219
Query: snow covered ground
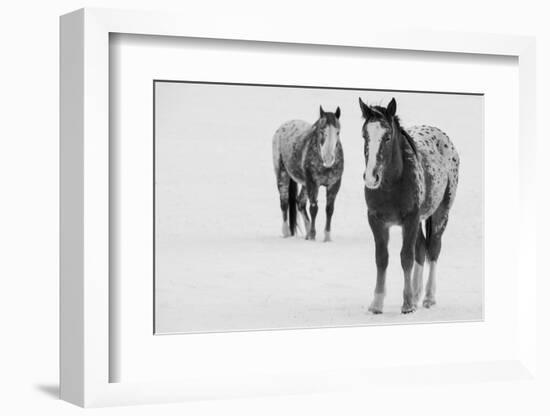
221 263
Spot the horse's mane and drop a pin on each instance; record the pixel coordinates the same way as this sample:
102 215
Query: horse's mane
382 112
328 118
313 130
409 140
404 133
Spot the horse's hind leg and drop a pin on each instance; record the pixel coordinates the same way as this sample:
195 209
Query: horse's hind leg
410 232
331 196
435 226
283 184
419 259
302 208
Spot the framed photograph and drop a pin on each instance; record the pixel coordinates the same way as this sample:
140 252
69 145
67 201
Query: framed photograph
271 213
246 196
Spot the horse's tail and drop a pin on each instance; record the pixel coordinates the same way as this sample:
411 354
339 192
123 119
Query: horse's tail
292 206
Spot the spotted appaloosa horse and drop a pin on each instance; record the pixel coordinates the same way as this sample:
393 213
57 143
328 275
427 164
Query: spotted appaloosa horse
312 156
411 176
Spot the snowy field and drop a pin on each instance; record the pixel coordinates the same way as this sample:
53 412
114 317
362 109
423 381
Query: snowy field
221 263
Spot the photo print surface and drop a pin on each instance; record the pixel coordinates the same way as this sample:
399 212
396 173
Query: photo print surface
280 207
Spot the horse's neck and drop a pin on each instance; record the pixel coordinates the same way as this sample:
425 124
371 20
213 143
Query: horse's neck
394 171
401 162
306 148
311 137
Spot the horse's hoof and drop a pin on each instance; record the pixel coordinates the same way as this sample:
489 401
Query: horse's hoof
428 302
310 237
377 304
408 309
327 237
375 311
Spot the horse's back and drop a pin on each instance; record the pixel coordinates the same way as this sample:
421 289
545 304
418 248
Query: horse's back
439 162
288 138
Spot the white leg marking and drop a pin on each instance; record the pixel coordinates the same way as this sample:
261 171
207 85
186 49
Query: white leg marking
286 229
327 236
417 282
377 304
408 294
429 299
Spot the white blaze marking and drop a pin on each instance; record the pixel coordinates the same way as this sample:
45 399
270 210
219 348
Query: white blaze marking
375 133
328 149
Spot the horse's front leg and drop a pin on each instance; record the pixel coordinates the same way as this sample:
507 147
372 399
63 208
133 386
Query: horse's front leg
312 190
410 231
381 235
302 208
332 190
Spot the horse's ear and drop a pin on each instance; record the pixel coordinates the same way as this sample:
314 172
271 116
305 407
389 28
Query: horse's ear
337 113
392 107
321 111
364 109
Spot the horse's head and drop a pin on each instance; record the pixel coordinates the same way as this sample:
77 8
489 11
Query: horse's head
379 131
328 135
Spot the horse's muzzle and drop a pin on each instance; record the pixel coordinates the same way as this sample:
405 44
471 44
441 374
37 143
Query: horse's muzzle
371 181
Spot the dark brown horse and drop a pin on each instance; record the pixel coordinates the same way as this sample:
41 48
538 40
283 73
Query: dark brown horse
411 176
311 156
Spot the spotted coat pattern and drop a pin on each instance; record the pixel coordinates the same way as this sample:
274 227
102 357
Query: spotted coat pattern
298 160
436 166
293 150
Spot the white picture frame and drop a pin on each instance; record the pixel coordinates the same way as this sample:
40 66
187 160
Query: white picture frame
85 355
